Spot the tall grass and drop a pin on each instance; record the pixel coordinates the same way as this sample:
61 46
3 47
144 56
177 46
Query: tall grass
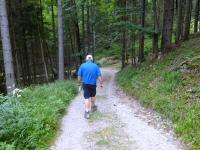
31 121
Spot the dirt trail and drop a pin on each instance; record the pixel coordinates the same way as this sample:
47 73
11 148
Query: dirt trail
119 124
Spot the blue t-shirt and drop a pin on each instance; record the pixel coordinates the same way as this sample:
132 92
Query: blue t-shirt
89 72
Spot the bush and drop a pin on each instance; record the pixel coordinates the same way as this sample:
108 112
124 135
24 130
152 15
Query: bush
31 121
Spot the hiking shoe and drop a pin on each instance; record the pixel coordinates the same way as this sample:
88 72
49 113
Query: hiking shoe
94 108
87 115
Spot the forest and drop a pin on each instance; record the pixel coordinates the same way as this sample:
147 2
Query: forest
43 41
90 26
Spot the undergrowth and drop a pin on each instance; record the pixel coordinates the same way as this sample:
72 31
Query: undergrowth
31 121
170 86
115 50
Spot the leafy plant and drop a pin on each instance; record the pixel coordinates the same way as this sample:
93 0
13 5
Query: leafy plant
31 121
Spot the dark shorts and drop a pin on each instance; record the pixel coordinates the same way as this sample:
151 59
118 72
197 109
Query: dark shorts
89 91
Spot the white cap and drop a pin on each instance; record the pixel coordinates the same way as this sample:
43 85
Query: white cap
89 57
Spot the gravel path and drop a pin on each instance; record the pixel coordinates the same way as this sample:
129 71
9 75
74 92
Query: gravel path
119 124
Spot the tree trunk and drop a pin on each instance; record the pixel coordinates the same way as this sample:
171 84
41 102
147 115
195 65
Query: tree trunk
13 42
54 33
196 18
141 44
127 33
88 26
60 42
73 52
133 35
188 19
179 21
25 57
176 6
7 51
34 62
156 29
43 59
77 30
166 43
42 43
83 26
93 8
123 49
124 40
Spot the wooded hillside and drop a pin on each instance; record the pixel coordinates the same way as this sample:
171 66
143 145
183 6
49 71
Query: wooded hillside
139 28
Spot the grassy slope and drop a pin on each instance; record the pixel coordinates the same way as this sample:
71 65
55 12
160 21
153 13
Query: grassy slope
31 121
171 87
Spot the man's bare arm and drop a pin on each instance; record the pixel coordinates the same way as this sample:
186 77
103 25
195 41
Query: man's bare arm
100 80
79 80
79 83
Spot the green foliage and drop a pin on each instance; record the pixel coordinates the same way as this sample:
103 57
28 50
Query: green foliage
2 99
31 121
133 27
5 146
172 92
114 51
169 81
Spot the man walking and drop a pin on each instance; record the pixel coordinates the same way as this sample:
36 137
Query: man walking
88 74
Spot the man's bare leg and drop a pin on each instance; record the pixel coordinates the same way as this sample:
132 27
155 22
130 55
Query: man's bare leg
87 105
93 101
93 104
87 108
